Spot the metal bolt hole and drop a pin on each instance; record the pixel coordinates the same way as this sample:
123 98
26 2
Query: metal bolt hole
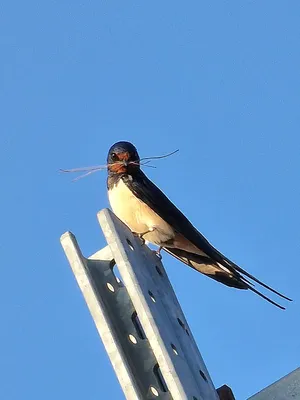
132 339
154 391
138 327
117 275
203 375
152 296
174 349
110 287
183 326
160 379
130 244
158 271
181 323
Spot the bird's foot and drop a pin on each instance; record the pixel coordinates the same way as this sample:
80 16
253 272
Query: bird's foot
142 239
158 252
141 235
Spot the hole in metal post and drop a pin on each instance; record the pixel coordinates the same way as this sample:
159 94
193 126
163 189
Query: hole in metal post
132 339
138 327
203 375
117 275
158 270
130 244
110 287
154 391
183 326
152 296
181 323
195 398
174 349
160 378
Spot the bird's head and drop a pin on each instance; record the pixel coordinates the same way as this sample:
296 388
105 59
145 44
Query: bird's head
122 158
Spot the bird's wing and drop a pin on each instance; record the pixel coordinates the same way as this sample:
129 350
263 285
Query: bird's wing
150 194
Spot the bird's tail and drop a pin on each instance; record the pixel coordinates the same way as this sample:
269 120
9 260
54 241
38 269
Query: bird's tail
226 272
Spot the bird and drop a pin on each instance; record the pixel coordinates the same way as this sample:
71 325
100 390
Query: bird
149 214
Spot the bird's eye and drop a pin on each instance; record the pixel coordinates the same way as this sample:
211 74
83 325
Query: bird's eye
114 157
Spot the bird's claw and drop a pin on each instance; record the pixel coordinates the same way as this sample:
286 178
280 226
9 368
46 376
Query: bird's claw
140 236
158 254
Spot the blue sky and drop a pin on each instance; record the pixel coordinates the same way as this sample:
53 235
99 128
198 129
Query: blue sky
220 81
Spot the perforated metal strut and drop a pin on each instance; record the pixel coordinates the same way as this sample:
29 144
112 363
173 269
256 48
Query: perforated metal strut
138 317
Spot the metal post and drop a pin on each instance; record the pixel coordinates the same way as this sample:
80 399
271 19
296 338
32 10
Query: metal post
286 388
138 317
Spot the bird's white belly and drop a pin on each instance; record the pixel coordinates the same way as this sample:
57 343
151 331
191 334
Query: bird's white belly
137 215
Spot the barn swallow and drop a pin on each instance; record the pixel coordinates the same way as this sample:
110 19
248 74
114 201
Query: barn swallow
145 209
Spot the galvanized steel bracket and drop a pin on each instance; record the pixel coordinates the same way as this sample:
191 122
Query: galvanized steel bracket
138 317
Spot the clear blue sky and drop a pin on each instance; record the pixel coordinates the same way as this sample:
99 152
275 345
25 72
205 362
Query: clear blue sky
217 79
